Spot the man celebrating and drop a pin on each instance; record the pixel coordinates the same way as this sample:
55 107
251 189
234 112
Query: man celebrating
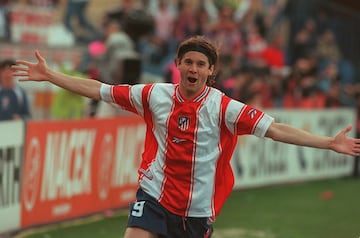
192 128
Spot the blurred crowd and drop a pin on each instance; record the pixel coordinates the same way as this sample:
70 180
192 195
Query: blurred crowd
266 59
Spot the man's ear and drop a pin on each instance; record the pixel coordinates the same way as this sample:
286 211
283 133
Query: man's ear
211 69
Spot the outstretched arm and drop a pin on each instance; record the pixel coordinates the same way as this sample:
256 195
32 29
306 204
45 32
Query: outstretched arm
339 143
39 71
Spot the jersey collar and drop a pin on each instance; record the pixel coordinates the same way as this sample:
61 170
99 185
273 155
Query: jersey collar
199 98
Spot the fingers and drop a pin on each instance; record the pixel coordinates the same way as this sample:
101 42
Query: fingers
19 68
21 74
356 148
24 79
356 153
348 128
22 62
19 71
39 57
27 63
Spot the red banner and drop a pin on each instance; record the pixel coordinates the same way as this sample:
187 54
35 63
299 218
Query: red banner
74 168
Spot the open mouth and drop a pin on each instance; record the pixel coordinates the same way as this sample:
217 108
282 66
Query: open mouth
192 80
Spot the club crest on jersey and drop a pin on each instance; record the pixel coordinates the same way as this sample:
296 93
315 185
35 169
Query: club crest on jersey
183 123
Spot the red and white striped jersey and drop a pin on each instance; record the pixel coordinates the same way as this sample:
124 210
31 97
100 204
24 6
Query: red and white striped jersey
189 144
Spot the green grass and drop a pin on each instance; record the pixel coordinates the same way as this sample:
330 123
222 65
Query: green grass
297 211
286 211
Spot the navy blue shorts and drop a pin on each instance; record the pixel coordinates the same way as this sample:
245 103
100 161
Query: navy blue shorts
148 214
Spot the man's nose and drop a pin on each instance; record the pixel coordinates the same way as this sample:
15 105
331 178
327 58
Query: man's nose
193 68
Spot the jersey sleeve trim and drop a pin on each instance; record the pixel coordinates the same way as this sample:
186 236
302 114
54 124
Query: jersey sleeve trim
105 93
263 125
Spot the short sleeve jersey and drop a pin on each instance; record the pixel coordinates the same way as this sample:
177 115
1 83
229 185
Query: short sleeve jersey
189 144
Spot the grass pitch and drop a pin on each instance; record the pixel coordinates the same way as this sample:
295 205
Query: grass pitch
321 209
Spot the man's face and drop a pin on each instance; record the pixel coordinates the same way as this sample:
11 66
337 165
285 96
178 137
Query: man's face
194 69
6 78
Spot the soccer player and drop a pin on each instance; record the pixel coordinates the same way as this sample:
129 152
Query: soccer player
192 128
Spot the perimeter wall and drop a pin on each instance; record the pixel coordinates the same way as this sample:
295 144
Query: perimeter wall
53 171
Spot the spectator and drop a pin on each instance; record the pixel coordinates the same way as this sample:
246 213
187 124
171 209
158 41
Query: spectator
238 84
256 46
164 14
327 48
229 37
311 96
13 99
4 19
274 53
120 64
77 9
133 19
118 14
158 48
204 22
120 50
333 96
327 75
328 51
226 32
300 83
186 23
304 41
68 105
274 14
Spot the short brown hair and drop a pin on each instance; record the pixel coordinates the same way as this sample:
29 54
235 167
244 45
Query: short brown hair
203 45
7 63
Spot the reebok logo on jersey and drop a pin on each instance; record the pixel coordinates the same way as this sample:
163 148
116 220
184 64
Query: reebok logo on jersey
252 113
147 173
183 123
178 140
